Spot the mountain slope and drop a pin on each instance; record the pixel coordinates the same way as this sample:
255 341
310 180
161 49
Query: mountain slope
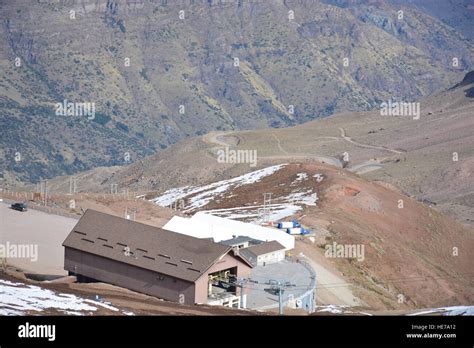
156 79
430 158
408 249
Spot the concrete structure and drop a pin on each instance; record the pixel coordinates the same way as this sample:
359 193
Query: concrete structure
240 242
153 261
264 254
300 294
202 225
49 232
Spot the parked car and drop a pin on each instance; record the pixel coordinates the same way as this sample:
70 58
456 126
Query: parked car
19 206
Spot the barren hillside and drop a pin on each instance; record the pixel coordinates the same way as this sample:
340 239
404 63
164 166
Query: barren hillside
430 159
411 250
157 75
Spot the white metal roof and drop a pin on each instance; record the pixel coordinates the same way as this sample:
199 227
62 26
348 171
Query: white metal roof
203 225
185 226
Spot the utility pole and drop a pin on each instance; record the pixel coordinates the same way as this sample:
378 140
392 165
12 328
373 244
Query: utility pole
238 284
278 288
280 298
44 191
241 286
72 184
267 200
130 216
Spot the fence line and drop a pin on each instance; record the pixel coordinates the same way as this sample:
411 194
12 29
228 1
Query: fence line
45 209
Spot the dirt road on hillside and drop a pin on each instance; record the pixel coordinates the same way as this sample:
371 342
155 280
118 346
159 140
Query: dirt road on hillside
330 287
216 139
383 148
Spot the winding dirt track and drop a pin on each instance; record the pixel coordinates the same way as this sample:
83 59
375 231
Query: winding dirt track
216 139
346 138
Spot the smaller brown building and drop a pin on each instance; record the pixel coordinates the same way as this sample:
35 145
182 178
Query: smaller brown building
154 261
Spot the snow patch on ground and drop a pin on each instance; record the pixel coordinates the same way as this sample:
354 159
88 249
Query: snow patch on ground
319 177
202 195
196 198
306 198
103 304
172 195
70 313
331 309
338 309
301 177
17 298
22 299
455 310
253 213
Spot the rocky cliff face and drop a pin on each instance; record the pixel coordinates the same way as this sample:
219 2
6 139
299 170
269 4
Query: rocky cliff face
159 71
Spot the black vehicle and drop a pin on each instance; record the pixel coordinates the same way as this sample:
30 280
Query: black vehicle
19 206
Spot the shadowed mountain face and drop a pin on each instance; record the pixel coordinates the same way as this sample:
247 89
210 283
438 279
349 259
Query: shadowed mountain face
468 80
155 75
458 14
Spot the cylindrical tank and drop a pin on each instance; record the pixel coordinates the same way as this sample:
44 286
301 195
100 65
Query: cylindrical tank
294 230
296 223
285 224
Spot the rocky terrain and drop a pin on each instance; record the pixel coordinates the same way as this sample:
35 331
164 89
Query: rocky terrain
209 105
410 249
414 256
157 75
430 159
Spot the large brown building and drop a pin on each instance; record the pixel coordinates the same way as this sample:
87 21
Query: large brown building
161 263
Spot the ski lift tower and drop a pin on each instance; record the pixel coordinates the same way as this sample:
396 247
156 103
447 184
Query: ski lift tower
267 201
72 185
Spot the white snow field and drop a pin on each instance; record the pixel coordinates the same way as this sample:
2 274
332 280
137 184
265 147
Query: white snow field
22 299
